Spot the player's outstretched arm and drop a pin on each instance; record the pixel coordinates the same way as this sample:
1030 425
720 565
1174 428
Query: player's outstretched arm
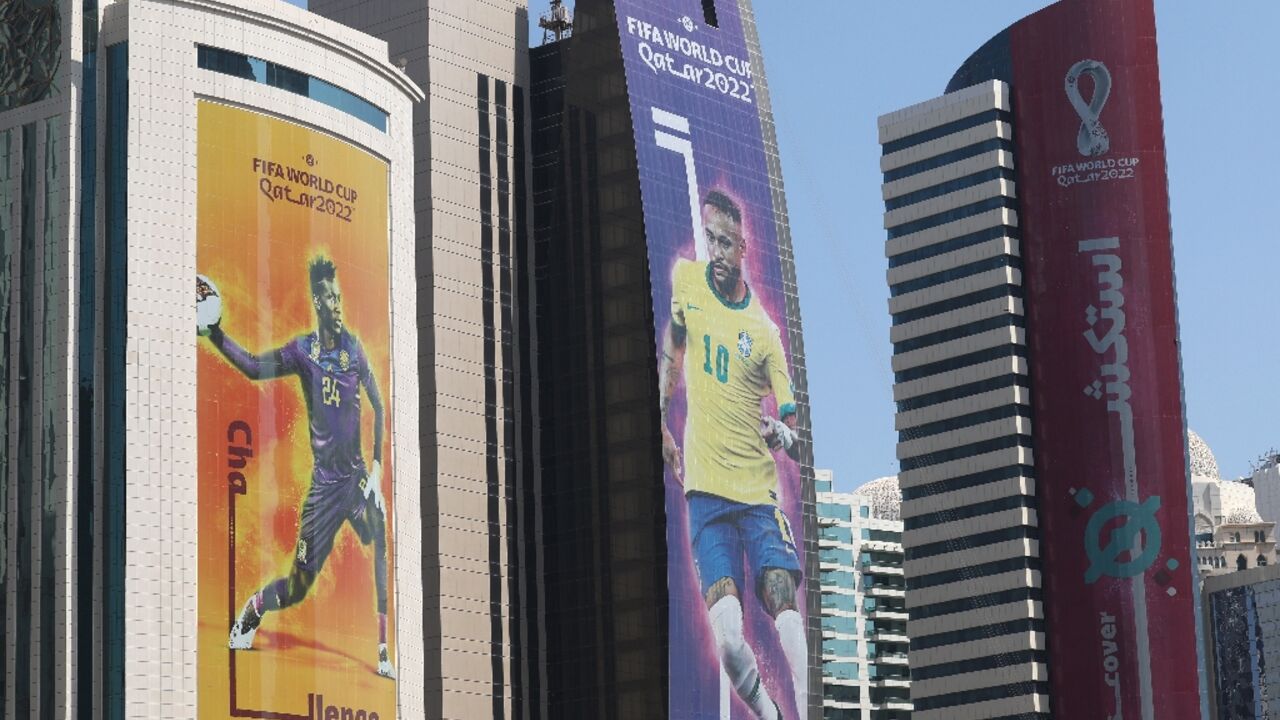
209 324
255 367
669 370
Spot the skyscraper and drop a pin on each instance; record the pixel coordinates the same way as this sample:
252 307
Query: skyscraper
253 160
670 351
1041 432
475 344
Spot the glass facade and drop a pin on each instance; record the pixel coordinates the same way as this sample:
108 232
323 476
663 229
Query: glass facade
114 334
297 82
30 52
604 530
50 403
27 428
6 302
86 357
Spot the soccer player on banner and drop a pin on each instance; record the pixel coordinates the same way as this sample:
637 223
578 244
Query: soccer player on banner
331 366
726 466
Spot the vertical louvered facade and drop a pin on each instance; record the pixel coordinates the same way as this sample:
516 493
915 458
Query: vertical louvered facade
963 408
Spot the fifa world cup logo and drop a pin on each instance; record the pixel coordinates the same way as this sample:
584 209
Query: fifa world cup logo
1092 139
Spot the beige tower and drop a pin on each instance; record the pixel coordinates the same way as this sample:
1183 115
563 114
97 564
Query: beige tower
471 200
961 386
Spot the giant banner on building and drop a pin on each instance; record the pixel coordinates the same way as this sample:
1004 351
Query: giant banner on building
737 629
1110 448
294 464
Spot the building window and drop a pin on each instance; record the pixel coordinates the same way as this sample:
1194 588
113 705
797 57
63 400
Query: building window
294 81
837 534
834 511
864 512
836 601
1262 561
840 624
1241 563
709 13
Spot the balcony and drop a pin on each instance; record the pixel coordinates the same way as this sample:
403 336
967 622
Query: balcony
888 637
896 705
888 615
884 591
881 569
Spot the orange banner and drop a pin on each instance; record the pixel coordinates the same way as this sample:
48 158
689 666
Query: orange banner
294 423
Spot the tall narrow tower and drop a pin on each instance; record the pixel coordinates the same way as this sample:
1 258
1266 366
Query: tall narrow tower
475 345
1049 566
669 328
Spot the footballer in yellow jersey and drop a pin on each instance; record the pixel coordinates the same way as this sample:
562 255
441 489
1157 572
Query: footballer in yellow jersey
730 355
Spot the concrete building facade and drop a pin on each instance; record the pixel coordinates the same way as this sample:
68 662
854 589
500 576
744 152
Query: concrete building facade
1266 484
864 620
476 345
99 226
963 397
1230 534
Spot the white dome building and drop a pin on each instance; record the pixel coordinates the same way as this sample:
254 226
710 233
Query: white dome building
1230 535
884 497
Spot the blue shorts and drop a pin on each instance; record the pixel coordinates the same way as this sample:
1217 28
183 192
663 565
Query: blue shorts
723 532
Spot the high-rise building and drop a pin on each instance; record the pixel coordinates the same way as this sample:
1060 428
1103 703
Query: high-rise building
1037 379
476 347
154 479
668 324
864 616
1243 643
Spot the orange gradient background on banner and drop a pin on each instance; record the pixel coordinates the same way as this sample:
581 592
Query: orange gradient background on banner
256 250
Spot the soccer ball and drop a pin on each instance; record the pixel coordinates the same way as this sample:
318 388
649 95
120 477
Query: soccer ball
208 305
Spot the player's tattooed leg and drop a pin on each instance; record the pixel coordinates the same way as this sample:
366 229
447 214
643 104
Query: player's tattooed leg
722 588
778 591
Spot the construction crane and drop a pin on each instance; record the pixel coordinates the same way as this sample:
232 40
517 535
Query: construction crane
556 23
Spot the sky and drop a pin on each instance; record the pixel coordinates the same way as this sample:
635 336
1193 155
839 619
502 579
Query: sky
834 66
831 79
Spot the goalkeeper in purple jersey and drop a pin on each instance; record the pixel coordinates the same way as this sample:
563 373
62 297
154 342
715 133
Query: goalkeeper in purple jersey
332 367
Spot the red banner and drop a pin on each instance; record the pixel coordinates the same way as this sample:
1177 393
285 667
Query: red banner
1102 332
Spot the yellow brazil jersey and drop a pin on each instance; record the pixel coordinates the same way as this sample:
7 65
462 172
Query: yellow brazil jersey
733 359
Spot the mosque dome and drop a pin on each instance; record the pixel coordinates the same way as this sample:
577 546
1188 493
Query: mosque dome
1239 506
885 498
1203 463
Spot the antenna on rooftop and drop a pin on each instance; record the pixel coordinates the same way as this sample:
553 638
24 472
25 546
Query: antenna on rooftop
556 23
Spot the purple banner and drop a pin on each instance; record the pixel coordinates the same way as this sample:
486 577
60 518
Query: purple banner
720 327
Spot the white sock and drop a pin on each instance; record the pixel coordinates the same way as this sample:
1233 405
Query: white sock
796 648
738 660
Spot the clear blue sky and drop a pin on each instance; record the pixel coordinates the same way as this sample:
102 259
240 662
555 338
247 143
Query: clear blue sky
835 65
